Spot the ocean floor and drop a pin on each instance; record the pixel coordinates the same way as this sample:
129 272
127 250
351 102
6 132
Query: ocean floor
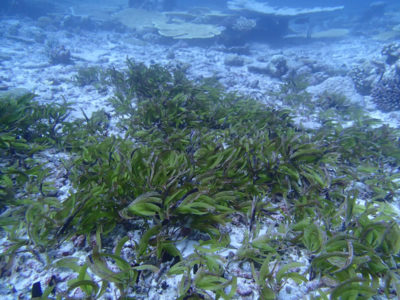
24 63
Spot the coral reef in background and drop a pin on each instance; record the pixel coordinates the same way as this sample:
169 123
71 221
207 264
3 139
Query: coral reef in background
333 33
366 75
380 79
264 8
176 25
391 52
58 53
386 91
273 22
386 94
243 24
186 30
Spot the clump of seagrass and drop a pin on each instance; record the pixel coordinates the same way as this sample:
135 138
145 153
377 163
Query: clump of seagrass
191 157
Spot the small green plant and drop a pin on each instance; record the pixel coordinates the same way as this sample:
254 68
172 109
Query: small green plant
88 76
26 128
335 106
93 76
294 83
203 276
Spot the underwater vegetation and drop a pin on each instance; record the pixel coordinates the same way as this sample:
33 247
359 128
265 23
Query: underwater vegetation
191 160
26 128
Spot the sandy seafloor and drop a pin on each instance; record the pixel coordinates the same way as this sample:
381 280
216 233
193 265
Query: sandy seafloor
24 64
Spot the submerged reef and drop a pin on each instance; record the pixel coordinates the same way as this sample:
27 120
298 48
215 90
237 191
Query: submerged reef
392 53
366 75
175 25
386 94
58 53
380 79
272 22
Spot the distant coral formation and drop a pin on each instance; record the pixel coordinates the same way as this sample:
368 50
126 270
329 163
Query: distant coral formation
264 8
177 25
244 24
273 21
392 53
58 53
380 79
366 75
386 94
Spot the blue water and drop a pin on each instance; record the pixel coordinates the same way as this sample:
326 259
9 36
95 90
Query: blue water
356 13
353 5
348 4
